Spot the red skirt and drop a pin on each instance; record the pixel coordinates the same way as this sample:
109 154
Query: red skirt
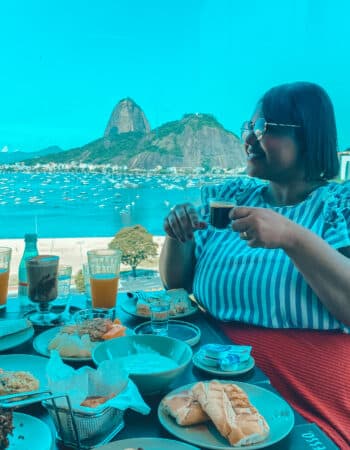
311 370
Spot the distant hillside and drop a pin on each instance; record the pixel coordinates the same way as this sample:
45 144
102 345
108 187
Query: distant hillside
13 157
197 140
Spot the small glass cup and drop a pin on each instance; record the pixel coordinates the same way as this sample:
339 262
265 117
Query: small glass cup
86 276
64 277
219 213
104 268
84 320
5 259
92 313
160 311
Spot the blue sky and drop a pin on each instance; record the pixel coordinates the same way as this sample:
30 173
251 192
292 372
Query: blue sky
65 64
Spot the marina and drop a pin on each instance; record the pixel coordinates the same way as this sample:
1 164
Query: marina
71 204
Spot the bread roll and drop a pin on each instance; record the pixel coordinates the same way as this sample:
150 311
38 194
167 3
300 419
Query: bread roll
72 345
184 408
233 415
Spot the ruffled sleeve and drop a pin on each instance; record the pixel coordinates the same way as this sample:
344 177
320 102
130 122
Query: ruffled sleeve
336 212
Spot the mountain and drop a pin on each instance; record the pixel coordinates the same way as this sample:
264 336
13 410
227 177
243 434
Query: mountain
196 140
126 117
13 157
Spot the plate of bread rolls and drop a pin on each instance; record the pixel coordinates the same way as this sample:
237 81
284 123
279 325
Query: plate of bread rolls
225 415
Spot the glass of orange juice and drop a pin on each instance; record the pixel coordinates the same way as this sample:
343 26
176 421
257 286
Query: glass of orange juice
5 258
104 268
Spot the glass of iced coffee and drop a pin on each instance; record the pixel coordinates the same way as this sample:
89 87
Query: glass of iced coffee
219 213
42 287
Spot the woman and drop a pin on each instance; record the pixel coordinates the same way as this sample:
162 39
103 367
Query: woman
280 278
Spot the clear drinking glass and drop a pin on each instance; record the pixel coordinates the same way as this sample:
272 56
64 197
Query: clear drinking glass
104 268
5 259
160 311
86 275
63 287
89 314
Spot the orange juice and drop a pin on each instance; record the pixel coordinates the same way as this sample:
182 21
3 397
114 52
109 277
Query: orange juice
4 282
104 289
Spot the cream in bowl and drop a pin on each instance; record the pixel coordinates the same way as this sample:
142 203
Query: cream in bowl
153 362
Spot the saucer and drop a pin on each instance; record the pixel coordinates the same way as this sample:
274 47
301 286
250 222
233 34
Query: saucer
242 367
185 331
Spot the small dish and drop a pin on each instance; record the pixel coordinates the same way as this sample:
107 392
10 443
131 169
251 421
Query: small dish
177 329
242 368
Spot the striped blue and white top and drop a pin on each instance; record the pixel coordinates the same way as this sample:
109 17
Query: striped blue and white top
262 286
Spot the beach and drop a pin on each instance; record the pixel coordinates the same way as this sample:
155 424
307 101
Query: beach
72 251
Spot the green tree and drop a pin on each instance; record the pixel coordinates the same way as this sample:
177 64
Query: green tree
136 244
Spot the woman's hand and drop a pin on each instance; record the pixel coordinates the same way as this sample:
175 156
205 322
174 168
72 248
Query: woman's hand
182 221
262 227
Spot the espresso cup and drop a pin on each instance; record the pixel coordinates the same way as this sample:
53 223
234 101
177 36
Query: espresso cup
219 213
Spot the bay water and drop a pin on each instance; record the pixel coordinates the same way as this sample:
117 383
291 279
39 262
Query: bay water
71 204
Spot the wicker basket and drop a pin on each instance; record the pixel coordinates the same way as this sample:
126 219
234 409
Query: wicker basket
93 429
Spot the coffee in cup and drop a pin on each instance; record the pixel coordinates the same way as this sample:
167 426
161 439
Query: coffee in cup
219 213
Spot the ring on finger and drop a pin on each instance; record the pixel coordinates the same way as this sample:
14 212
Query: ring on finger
244 235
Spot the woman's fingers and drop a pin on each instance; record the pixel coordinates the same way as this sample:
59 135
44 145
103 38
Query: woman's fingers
240 225
191 214
239 212
183 225
168 228
181 222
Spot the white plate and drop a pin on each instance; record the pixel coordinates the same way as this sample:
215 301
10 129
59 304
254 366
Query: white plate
148 444
29 432
41 343
15 339
278 414
242 368
129 306
36 365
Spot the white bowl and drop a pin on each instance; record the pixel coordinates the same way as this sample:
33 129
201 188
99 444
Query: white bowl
153 380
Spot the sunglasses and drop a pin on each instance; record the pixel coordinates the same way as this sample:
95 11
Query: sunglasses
259 128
